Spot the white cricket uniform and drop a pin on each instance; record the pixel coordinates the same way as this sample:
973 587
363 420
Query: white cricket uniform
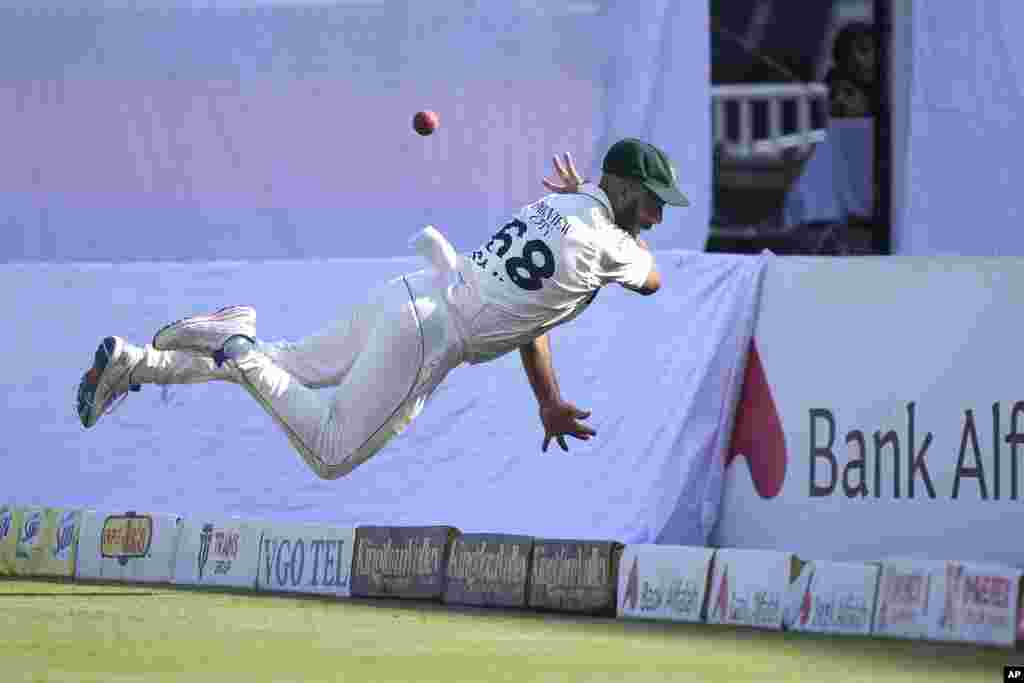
540 270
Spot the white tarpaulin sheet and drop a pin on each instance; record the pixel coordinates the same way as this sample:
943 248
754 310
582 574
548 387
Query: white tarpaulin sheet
660 374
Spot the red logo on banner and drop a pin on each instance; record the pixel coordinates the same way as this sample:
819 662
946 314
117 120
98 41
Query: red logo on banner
757 434
808 602
722 606
632 587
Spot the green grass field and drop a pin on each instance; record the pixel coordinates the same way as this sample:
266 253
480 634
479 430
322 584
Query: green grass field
112 634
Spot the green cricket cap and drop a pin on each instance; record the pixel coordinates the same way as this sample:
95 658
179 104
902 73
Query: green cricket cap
633 158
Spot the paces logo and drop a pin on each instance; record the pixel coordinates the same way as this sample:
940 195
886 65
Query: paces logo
757 433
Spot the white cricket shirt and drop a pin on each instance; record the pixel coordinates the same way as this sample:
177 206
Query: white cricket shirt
542 269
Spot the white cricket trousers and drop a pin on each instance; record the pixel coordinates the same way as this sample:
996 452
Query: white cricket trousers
385 360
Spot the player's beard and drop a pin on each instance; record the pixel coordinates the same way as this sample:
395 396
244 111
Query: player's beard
629 216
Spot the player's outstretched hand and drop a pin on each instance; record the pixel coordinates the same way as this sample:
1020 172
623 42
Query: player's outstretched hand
568 175
562 419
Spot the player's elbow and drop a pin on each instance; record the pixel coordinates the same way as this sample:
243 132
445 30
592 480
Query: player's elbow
651 285
647 290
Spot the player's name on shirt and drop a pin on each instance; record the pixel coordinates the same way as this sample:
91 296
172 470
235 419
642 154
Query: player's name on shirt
546 218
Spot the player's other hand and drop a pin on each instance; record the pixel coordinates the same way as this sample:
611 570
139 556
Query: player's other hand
562 419
569 179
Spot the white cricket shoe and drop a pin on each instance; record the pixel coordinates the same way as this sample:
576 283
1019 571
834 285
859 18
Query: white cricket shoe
207 333
108 379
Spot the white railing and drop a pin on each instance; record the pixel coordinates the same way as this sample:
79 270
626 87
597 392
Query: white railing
773 96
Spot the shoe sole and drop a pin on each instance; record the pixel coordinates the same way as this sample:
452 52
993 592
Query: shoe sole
226 314
89 409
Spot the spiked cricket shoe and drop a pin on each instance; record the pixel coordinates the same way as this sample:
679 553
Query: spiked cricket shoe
107 380
207 333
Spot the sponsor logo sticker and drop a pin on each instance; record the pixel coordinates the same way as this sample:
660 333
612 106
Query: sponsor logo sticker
126 537
65 536
6 520
28 536
904 597
670 594
221 546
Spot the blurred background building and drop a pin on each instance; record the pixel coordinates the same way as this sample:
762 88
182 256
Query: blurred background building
235 129
793 114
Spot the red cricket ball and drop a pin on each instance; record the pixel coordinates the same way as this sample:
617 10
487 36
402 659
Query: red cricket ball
425 122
